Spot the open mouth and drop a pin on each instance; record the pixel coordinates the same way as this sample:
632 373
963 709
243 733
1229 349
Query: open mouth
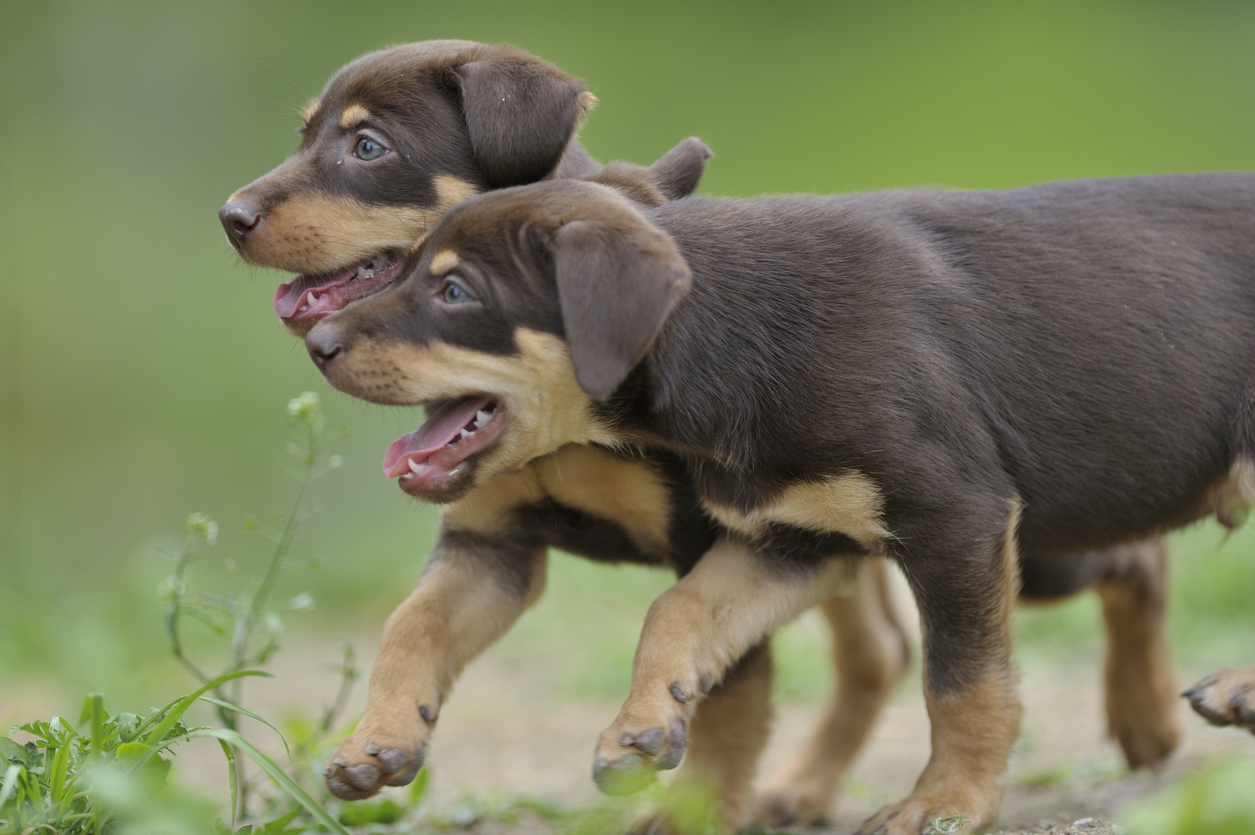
429 458
311 297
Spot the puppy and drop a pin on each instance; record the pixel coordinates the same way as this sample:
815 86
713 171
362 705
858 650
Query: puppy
945 379
395 139
400 135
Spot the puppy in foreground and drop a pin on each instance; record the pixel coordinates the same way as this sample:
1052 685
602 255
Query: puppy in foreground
395 139
945 379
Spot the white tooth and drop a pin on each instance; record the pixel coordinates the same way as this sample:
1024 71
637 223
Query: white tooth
415 467
365 270
482 417
466 434
311 299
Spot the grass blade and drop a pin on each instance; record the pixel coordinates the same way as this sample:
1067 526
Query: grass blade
175 710
8 788
250 715
276 773
229 753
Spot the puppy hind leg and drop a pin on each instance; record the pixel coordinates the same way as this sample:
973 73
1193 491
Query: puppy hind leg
1142 686
870 651
694 632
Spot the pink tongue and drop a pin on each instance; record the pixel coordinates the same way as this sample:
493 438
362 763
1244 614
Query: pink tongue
440 430
290 293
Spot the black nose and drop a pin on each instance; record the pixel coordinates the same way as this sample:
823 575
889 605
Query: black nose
239 218
324 345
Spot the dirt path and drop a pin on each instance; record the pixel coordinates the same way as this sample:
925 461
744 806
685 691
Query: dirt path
505 732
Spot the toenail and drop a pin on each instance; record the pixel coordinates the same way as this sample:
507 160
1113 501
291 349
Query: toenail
679 693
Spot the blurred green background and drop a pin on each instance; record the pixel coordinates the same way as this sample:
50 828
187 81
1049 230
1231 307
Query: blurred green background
144 374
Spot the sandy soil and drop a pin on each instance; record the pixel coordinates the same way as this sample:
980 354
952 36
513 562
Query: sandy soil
505 732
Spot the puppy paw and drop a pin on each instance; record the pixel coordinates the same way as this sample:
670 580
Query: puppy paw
1226 697
643 739
800 804
916 815
375 756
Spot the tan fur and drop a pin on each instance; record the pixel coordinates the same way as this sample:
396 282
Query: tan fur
870 651
727 734
353 115
695 630
317 233
972 735
455 613
307 113
451 190
545 407
443 261
850 504
1142 684
1226 697
320 233
1010 574
628 492
587 101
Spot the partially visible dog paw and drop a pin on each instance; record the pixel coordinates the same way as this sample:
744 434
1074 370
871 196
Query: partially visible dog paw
360 769
643 741
1226 697
795 805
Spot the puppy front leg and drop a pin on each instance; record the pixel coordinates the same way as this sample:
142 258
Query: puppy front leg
694 632
728 732
473 589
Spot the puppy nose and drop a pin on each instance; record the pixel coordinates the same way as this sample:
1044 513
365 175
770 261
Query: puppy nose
324 344
239 218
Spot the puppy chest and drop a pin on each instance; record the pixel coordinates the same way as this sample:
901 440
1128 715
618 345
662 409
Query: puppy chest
849 505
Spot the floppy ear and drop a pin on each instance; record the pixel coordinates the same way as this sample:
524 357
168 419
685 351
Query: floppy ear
677 172
520 117
617 282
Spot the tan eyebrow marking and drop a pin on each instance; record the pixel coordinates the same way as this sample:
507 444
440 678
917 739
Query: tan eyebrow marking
309 110
444 260
353 115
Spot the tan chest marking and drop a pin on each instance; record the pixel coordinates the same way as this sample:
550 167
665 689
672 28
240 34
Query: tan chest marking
849 504
629 493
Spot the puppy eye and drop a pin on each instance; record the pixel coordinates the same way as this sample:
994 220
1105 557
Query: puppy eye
368 149
453 293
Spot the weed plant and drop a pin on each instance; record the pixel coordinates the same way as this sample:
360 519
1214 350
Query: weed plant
108 773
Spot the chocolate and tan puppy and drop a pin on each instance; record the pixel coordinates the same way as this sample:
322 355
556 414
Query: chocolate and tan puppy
949 380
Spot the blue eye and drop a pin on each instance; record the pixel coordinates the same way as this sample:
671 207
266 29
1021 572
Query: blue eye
368 149
454 293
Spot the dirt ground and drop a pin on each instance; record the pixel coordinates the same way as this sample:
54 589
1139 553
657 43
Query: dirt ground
504 732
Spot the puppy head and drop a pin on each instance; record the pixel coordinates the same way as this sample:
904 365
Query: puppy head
395 139
526 306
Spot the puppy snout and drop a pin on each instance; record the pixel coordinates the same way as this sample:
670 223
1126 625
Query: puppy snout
239 218
324 344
